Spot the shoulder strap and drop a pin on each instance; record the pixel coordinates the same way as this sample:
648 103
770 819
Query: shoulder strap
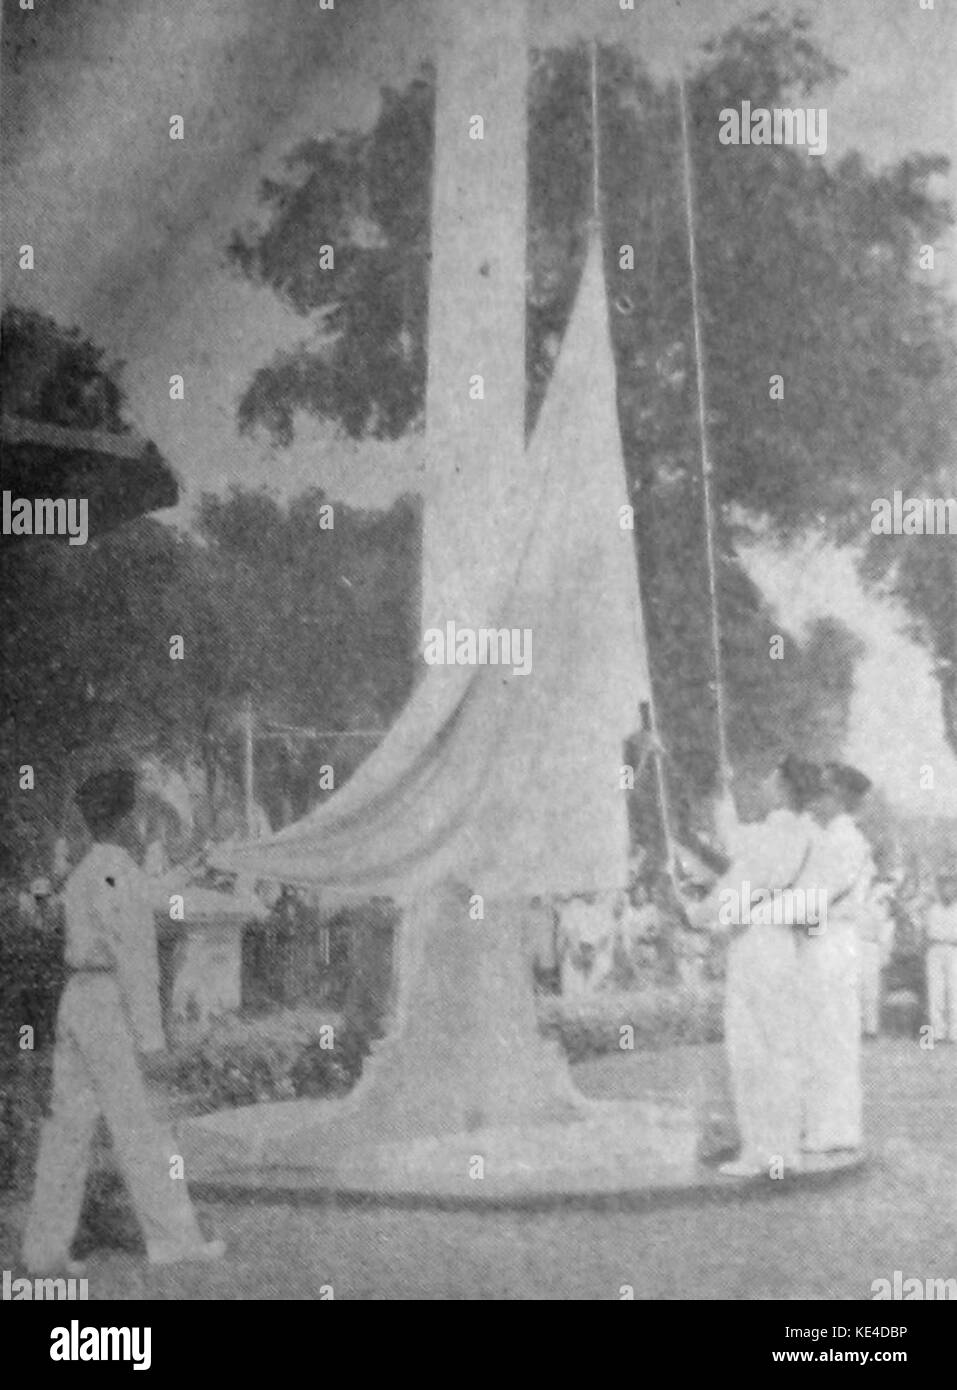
800 868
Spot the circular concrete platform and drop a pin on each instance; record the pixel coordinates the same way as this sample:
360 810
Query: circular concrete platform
463 1102
626 1151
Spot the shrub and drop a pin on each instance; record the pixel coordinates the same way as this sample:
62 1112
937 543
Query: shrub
281 1056
31 975
278 1056
11 1136
661 1016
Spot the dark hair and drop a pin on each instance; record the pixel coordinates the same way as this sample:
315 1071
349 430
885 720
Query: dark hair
847 782
105 799
803 779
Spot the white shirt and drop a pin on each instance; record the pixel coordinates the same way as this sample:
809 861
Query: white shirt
876 922
109 907
841 864
942 923
769 854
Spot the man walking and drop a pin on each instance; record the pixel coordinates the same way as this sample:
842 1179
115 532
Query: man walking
110 1006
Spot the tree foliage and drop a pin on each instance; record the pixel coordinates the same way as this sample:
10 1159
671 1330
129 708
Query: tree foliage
808 270
56 375
313 623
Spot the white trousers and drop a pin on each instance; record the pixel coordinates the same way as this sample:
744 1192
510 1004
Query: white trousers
941 967
870 988
761 1036
832 1100
95 1073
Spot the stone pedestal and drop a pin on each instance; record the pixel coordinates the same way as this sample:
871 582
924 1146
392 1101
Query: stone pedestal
206 977
463 1100
205 970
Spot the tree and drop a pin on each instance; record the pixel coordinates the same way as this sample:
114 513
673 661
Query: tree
814 276
87 674
57 376
316 623
806 272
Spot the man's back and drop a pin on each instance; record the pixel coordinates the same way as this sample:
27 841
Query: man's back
94 897
109 926
841 863
771 853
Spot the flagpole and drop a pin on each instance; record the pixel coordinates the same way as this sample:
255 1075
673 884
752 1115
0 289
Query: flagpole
707 467
595 138
248 764
648 712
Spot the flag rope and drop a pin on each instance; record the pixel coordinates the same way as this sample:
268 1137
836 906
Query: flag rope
707 469
595 136
654 729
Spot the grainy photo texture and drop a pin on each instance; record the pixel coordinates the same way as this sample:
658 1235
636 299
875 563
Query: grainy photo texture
478 741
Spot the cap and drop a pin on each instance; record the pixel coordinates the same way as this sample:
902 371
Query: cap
849 781
803 776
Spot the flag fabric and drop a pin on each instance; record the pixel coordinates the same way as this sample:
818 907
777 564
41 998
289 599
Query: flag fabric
507 780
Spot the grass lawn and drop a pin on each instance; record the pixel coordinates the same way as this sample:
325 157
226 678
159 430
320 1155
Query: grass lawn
830 1242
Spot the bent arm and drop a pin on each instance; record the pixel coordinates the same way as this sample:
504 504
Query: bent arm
138 965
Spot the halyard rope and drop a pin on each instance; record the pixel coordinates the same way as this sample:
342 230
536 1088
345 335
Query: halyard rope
706 464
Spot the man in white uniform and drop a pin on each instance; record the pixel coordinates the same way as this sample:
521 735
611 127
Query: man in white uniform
761 1003
842 867
876 929
109 1007
941 959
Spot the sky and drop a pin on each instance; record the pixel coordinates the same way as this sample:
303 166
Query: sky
895 725
130 228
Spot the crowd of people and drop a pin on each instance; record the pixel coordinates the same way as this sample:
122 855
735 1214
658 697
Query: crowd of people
800 988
